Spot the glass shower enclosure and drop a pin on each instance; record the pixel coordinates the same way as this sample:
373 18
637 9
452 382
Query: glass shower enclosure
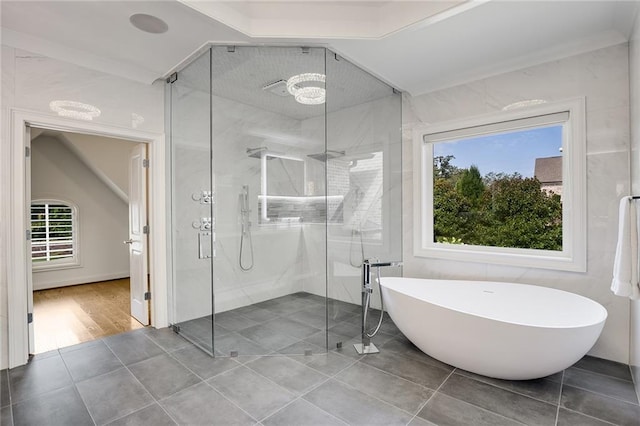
285 176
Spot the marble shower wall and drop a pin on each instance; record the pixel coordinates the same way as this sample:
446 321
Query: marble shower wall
368 177
278 269
602 77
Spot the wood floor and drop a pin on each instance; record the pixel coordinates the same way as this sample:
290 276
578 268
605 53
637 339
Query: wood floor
69 315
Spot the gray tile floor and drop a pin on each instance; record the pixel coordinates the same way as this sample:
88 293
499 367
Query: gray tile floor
155 377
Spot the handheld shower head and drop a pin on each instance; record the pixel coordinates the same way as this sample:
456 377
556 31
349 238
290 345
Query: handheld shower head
327 155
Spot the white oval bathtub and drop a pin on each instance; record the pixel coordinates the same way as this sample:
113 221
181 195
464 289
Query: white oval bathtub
501 330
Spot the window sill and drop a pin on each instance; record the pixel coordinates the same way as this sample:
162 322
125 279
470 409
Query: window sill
55 267
526 258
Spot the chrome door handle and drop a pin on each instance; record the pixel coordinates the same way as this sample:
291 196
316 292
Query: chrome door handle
127 242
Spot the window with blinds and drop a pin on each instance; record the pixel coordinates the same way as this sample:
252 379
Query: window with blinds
53 229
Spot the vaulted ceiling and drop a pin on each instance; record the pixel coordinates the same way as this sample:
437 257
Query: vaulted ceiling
415 46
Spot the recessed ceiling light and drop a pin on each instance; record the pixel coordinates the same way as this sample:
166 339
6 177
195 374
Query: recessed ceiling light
522 104
148 23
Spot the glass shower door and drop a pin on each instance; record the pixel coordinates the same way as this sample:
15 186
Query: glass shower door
269 269
191 203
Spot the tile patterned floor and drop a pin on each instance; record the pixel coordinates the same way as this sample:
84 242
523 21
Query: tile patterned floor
155 377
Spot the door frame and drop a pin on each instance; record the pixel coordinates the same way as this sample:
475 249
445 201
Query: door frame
15 227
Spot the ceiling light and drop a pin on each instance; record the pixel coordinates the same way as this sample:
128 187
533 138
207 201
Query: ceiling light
304 93
522 104
148 23
74 109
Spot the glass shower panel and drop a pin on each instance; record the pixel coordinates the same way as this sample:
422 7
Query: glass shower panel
192 199
364 193
269 264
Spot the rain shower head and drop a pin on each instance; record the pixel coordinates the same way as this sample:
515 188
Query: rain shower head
257 152
327 155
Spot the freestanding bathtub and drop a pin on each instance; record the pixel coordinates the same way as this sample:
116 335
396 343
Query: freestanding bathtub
501 330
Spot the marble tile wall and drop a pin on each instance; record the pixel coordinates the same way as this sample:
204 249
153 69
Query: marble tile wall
277 267
274 272
602 77
362 131
31 82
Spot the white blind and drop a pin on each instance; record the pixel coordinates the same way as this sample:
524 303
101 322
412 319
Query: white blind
51 232
500 127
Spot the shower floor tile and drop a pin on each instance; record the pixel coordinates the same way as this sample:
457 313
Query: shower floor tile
272 382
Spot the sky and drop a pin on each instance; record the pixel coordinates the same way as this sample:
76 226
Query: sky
511 152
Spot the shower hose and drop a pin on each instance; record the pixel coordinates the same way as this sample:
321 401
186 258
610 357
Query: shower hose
245 234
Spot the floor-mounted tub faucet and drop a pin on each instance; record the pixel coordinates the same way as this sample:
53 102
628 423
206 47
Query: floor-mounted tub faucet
366 347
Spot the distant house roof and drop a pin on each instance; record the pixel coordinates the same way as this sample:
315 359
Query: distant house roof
549 170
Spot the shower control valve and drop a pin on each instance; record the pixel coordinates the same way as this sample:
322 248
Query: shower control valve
205 224
205 197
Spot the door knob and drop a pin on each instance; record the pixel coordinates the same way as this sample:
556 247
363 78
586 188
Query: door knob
127 242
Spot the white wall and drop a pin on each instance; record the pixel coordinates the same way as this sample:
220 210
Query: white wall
30 82
57 173
634 81
107 157
602 76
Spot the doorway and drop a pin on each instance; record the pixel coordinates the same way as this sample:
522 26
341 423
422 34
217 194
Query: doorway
88 197
20 289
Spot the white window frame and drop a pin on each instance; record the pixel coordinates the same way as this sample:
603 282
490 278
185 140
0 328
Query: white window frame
573 256
65 263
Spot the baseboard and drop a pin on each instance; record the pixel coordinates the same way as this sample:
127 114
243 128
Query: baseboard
80 280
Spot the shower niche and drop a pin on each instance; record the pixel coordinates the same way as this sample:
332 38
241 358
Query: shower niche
299 153
282 195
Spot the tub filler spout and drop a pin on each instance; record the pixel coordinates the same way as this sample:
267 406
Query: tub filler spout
366 346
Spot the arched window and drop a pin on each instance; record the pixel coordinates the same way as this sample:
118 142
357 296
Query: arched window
53 234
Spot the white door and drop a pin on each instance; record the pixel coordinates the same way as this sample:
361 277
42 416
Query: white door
137 236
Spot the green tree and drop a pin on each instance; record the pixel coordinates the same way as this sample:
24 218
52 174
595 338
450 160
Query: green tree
499 210
442 167
450 212
524 215
470 184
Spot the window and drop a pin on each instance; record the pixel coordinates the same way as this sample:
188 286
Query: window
53 234
506 188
